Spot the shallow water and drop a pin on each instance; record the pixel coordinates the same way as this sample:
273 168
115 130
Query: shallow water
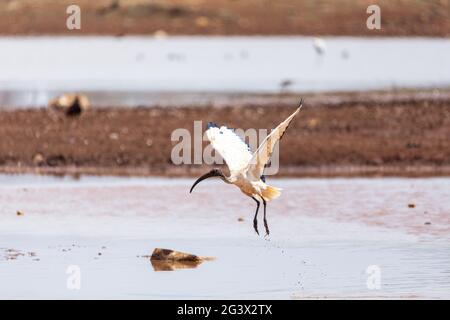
133 71
325 233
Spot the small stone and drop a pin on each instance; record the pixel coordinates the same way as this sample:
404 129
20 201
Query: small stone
411 205
38 159
72 104
14 5
168 254
202 22
313 122
160 34
170 260
19 213
113 136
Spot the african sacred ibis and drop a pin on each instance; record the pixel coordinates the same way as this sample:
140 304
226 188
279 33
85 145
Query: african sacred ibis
246 169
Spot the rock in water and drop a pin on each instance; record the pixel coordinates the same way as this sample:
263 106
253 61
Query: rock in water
172 255
170 260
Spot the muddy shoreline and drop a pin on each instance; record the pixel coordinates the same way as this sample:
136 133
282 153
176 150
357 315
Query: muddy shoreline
390 134
224 17
413 171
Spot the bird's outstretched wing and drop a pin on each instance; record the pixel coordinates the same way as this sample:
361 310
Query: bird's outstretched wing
262 156
230 146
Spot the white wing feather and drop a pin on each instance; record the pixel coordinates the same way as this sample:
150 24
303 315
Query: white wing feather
230 146
262 156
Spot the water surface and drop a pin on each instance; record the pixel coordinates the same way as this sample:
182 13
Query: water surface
133 71
325 233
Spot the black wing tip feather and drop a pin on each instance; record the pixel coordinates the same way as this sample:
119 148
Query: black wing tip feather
299 106
211 125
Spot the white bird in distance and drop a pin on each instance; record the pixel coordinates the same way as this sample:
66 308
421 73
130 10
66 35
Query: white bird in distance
246 169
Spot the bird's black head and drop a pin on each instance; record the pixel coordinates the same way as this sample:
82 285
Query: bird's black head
212 173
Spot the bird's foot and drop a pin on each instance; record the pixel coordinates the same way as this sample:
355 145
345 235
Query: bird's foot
255 226
267 228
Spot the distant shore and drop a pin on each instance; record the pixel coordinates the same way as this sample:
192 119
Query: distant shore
372 134
224 17
414 171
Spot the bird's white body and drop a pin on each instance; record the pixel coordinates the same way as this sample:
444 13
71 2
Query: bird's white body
254 187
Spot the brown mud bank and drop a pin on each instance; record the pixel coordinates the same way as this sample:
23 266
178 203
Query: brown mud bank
225 17
343 135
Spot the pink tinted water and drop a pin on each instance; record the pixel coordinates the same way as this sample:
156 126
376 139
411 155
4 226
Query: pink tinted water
325 234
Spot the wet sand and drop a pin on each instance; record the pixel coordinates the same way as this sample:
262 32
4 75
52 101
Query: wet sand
367 134
324 235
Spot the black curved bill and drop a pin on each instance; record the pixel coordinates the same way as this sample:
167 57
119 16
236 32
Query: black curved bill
213 173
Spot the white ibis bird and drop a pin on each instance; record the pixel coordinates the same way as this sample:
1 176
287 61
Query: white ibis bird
320 46
246 169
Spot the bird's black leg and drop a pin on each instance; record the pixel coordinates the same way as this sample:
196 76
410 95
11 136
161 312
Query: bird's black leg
265 221
255 221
